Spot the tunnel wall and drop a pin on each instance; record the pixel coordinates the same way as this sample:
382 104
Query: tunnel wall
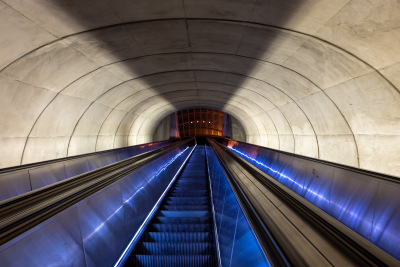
162 131
316 78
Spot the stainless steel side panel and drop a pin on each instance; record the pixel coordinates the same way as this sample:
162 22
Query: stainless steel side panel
17 182
103 226
56 242
14 184
101 160
48 174
76 166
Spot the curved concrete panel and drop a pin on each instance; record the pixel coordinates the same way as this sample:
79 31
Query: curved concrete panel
317 78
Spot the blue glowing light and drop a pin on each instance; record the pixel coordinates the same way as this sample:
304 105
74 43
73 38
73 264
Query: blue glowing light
343 209
363 203
291 180
236 240
134 239
165 166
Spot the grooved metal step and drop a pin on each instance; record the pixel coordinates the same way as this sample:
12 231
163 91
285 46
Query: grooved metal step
181 227
173 260
185 213
174 248
185 208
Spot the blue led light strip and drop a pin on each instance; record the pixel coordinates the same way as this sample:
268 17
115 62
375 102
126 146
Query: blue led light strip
129 199
282 175
142 227
342 209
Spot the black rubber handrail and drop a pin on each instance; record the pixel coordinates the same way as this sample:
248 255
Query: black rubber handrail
51 161
21 213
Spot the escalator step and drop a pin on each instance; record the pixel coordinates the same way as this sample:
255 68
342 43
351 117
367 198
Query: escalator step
196 165
182 194
167 213
177 237
194 172
194 177
186 194
189 191
192 183
185 208
173 260
181 232
186 203
176 220
182 227
152 248
188 198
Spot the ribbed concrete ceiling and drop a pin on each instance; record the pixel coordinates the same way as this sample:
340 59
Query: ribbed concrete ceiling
314 77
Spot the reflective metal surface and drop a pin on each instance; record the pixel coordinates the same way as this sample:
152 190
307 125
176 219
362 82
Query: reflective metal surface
103 226
45 175
365 202
56 242
76 166
14 183
238 245
101 160
95 231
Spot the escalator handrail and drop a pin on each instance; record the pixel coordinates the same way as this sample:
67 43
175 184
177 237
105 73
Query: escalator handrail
65 159
271 249
347 240
23 212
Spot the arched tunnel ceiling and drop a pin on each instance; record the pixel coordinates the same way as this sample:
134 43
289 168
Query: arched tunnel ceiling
314 77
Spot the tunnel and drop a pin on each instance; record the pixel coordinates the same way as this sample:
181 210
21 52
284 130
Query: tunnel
305 88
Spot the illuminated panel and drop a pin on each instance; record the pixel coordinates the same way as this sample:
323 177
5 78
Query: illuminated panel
235 238
199 121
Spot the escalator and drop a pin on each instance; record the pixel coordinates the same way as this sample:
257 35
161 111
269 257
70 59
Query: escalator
181 232
182 205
